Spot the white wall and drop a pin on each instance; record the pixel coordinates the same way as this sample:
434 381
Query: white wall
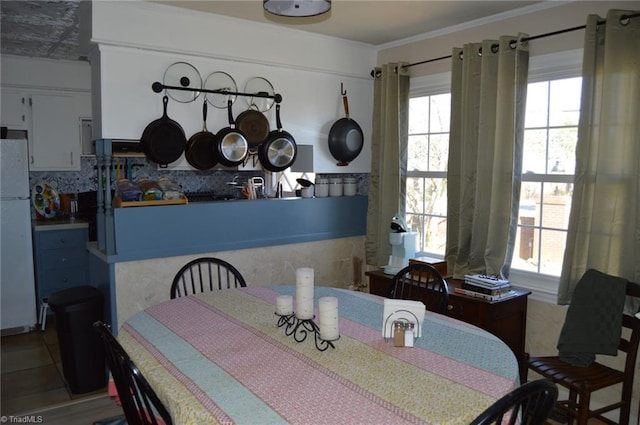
305 69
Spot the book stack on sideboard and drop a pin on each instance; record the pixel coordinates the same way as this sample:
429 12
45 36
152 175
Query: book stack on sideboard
486 287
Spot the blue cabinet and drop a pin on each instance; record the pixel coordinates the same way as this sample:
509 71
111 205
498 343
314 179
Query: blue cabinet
61 256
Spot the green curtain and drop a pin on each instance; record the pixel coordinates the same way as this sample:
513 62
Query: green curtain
488 99
604 229
388 158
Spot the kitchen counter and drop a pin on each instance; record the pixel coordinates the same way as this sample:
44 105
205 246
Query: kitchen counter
44 225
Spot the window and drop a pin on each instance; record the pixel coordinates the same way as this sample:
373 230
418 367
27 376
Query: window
551 132
428 151
551 122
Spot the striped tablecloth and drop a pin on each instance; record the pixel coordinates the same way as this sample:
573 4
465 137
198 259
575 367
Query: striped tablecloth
220 358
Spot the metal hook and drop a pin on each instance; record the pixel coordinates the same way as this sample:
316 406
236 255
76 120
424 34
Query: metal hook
342 90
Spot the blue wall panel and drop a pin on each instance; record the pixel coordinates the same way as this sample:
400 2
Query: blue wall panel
167 231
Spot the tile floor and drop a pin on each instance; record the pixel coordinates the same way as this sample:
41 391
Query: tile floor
32 376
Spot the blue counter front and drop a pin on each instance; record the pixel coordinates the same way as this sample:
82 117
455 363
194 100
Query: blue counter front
173 230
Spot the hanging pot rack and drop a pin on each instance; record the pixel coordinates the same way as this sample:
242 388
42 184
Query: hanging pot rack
157 87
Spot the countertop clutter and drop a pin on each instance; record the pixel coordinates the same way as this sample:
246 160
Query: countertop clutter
146 192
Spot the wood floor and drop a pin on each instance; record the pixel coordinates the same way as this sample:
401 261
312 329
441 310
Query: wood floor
33 383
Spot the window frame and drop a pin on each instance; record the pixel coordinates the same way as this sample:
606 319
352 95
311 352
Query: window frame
551 66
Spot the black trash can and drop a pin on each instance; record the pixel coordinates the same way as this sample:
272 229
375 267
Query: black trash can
83 361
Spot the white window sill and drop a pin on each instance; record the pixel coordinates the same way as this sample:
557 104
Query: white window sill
543 287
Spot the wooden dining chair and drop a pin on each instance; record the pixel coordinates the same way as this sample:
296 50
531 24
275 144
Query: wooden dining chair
205 274
139 402
421 282
529 404
582 381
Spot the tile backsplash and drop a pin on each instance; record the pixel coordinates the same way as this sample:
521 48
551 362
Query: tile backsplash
191 181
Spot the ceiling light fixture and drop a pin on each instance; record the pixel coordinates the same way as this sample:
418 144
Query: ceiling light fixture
297 8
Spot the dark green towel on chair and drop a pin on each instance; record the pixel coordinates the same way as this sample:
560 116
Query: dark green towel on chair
594 319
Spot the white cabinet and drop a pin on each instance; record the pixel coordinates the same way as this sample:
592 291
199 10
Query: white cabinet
54 124
54 142
14 109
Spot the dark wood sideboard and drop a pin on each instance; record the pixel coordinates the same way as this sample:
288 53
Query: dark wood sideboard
506 319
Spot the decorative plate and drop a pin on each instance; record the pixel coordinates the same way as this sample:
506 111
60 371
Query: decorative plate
45 200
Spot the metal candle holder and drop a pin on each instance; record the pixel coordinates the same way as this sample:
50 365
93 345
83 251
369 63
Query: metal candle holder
300 328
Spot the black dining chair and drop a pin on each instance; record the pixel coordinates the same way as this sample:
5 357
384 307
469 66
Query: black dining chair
205 274
140 403
529 404
421 282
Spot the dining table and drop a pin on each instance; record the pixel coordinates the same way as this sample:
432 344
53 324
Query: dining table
221 358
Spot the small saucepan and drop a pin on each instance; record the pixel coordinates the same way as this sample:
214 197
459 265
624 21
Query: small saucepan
231 145
279 151
200 151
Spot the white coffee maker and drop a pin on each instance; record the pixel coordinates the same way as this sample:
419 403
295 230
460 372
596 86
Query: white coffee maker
403 245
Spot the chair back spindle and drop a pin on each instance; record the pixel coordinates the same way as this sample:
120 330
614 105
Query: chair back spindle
205 274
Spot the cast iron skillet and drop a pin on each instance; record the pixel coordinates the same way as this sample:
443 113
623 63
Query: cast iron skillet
231 145
279 151
345 137
200 151
163 140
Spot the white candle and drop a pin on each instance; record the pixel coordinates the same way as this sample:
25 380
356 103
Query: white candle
284 305
304 293
328 318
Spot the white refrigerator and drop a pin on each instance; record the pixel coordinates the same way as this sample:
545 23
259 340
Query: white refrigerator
17 280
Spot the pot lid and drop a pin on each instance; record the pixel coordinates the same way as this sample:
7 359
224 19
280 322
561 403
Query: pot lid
220 81
183 74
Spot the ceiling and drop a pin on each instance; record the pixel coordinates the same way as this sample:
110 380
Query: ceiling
49 29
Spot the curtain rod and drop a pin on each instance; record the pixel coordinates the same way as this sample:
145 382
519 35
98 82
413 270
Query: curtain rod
525 39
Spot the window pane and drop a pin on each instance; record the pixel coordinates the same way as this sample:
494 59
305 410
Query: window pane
435 197
419 115
534 151
440 113
426 195
438 152
537 104
564 103
415 196
530 202
552 251
525 254
562 148
556 206
435 236
417 152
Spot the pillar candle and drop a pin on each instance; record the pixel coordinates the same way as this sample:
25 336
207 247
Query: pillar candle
304 293
328 318
284 305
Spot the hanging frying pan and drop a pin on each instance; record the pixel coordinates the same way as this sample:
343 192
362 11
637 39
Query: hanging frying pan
231 144
254 125
163 140
279 151
345 137
200 151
